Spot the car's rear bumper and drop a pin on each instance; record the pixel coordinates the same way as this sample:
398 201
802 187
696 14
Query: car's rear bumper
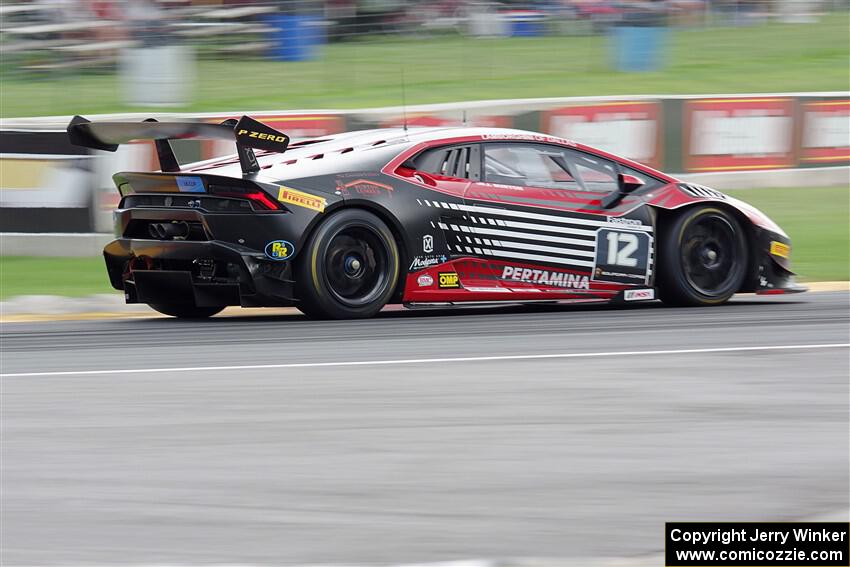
203 273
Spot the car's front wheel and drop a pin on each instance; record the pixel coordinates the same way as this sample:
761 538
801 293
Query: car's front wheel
702 257
349 268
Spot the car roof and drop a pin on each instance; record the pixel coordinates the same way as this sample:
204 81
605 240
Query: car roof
351 147
367 149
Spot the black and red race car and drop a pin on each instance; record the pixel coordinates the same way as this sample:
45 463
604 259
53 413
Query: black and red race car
343 225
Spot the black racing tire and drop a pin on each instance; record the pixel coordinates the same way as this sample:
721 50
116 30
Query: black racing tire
183 311
349 268
703 257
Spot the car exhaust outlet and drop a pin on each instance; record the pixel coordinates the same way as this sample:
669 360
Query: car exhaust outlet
169 231
178 230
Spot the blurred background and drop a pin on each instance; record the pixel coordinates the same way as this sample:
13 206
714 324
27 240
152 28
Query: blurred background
580 458
101 56
651 80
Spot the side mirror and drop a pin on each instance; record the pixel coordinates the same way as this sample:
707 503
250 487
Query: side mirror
625 184
628 183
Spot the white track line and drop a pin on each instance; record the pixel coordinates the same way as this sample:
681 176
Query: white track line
427 360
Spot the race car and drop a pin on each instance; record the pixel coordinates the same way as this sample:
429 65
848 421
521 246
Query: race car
342 225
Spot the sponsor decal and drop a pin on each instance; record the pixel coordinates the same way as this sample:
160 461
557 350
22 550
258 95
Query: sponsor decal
190 184
529 138
420 262
279 250
624 221
639 294
363 187
448 280
301 199
780 249
546 277
427 243
262 135
425 280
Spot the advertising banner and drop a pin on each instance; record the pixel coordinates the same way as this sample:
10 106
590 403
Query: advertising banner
632 129
732 134
826 133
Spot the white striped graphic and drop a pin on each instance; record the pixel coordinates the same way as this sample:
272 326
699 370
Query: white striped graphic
539 248
538 257
522 245
549 218
531 236
590 234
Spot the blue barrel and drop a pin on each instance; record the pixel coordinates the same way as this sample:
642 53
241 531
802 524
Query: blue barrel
526 23
638 48
296 38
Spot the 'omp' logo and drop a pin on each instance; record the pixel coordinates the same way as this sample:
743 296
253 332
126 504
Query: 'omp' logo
448 280
279 249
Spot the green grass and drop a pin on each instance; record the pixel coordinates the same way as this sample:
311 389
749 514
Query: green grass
24 275
817 219
818 222
763 58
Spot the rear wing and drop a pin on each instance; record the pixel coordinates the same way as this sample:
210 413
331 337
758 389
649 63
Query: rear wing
248 134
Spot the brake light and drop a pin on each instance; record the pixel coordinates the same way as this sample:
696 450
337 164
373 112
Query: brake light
260 199
263 200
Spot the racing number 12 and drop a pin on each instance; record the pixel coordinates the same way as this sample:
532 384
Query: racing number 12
622 256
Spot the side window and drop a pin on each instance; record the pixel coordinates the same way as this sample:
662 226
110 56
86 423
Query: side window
600 175
460 162
532 165
596 174
552 167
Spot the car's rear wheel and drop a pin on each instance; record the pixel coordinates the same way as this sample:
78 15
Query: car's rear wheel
349 268
182 311
703 257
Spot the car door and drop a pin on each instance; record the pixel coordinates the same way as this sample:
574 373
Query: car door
536 216
447 170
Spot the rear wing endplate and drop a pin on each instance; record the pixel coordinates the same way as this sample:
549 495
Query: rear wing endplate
249 134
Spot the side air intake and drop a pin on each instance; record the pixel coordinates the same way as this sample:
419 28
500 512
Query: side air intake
695 190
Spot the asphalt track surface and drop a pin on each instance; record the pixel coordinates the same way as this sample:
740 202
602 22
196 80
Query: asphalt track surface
393 460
